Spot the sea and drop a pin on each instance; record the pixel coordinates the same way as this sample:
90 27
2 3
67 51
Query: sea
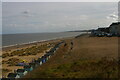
16 39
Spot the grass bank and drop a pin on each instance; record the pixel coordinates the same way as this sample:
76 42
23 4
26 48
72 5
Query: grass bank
88 57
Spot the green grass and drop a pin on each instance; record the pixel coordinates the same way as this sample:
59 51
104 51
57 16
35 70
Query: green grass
103 68
78 63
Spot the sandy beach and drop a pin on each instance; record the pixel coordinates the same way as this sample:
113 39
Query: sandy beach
5 66
84 48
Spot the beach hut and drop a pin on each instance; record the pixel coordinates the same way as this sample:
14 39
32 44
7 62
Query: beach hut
33 65
13 75
43 59
46 56
37 62
21 64
49 56
57 46
21 72
40 61
28 68
52 51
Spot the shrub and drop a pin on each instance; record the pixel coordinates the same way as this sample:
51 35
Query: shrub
5 55
13 61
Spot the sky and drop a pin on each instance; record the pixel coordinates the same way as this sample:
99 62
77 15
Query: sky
39 17
0 19
60 0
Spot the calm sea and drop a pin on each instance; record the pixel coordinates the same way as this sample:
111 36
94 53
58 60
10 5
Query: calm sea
12 39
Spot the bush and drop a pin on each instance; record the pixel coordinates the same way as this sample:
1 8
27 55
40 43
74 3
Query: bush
5 55
6 70
13 61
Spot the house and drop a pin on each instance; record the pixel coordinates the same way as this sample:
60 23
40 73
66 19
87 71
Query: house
21 72
13 75
28 68
115 28
100 31
105 29
94 32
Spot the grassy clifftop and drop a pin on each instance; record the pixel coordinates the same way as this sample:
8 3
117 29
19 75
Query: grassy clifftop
89 57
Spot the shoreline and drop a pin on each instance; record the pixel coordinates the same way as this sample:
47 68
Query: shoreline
28 58
23 43
85 47
33 42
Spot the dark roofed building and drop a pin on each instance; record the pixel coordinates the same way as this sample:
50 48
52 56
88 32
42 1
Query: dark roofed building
21 72
33 64
28 68
40 61
106 29
115 28
113 24
13 75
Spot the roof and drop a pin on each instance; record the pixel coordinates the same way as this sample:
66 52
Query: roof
43 56
103 28
32 64
117 23
27 66
21 64
20 70
12 75
39 59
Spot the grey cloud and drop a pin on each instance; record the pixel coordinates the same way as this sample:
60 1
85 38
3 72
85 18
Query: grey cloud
51 17
113 16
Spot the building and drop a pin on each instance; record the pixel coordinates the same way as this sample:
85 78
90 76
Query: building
100 31
28 68
105 30
21 72
43 59
39 61
13 75
33 65
115 28
112 30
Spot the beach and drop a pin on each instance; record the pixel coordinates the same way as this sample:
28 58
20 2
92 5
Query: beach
89 57
45 46
84 48
59 40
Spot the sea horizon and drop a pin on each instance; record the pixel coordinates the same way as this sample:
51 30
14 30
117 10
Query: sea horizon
25 38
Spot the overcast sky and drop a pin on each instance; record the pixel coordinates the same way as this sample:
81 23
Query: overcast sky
32 17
